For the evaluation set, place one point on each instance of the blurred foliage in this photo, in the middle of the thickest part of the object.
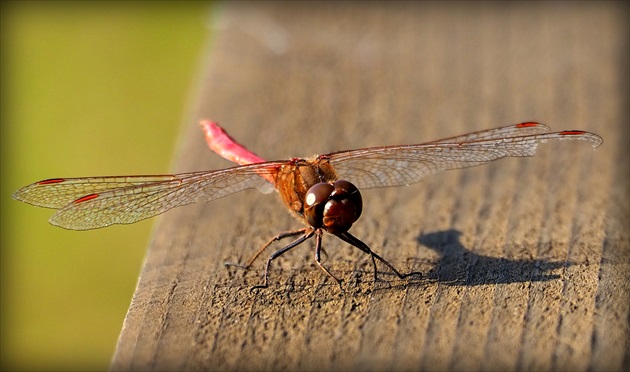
(88, 88)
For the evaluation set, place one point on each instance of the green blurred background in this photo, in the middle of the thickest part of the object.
(87, 89)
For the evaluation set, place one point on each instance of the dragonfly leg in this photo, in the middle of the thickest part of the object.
(308, 233)
(352, 240)
(318, 249)
(276, 238)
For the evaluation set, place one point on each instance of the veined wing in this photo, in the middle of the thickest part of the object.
(521, 129)
(407, 164)
(94, 202)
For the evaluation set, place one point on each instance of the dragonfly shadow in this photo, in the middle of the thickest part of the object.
(458, 265)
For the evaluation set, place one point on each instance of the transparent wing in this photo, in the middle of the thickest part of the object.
(404, 165)
(93, 202)
(521, 129)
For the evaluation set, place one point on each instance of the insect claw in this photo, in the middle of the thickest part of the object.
(258, 287)
(405, 276)
(231, 264)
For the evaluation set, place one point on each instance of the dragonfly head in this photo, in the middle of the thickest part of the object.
(333, 206)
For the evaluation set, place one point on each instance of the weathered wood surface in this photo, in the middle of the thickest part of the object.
(526, 260)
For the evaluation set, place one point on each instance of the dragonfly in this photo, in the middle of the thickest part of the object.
(322, 191)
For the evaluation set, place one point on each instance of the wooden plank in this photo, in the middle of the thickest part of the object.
(526, 260)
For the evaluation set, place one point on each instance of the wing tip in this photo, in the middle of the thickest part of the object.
(594, 139)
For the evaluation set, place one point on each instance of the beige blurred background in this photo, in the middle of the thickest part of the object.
(87, 89)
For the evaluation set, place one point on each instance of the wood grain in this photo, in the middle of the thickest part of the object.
(526, 261)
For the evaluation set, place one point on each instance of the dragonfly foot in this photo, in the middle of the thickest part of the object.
(258, 287)
(231, 264)
(413, 273)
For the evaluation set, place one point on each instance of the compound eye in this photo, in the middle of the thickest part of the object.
(343, 208)
(316, 197)
(347, 190)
